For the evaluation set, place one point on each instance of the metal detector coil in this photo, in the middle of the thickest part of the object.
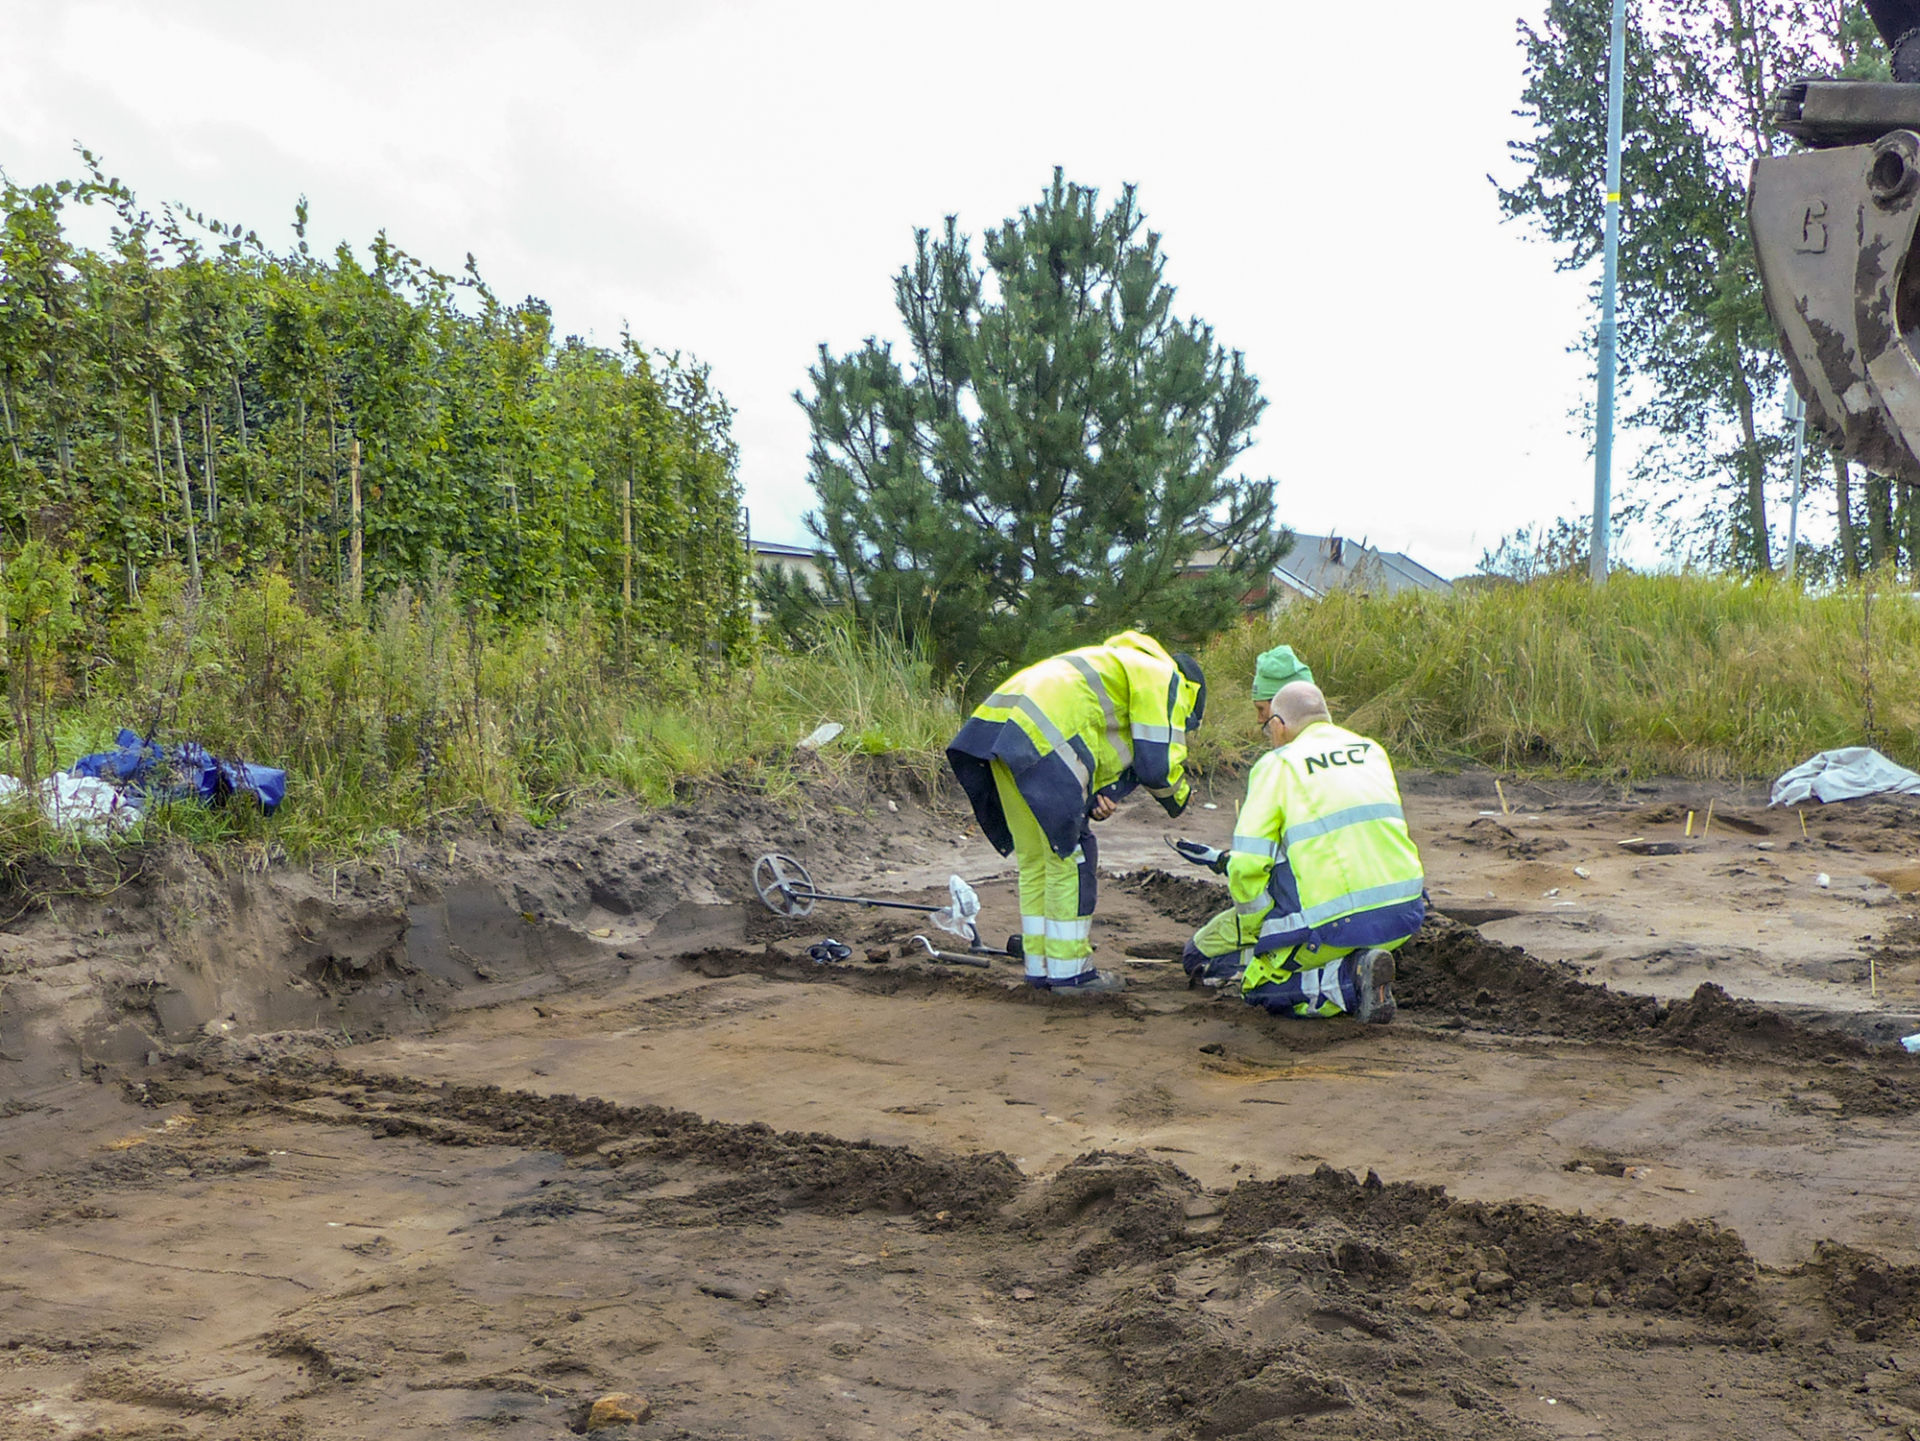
(784, 886)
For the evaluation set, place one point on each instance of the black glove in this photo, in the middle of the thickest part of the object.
(1211, 857)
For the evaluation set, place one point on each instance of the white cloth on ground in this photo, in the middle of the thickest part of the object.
(85, 805)
(1844, 775)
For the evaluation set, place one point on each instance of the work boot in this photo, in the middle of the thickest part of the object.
(1373, 979)
(1092, 982)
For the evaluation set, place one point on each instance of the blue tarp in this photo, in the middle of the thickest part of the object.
(181, 770)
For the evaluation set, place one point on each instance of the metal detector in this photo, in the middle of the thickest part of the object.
(786, 888)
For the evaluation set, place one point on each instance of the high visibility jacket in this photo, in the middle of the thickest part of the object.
(1321, 851)
(1102, 719)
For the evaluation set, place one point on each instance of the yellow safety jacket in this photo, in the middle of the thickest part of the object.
(1321, 854)
(1098, 720)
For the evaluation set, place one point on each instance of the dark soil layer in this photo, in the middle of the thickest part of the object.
(1181, 898)
(1450, 975)
(1469, 981)
(775, 1171)
(1312, 1298)
(1313, 1303)
(1355, 1303)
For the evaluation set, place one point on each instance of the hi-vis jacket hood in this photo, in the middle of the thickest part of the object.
(1099, 720)
(1321, 852)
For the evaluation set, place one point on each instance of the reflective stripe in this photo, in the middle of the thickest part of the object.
(1256, 846)
(1259, 905)
(1280, 925)
(1030, 708)
(1033, 925)
(1070, 930)
(1160, 790)
(1340, 820)
(1099, 688)
(1321, 985)
(1365, 900)
(1163, 734)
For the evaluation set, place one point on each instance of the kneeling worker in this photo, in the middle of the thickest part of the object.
(1058, 744)
(1325, 879)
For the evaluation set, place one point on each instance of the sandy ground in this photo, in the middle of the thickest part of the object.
(460, 1144)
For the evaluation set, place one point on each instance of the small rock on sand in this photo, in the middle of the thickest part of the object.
(619, 1409)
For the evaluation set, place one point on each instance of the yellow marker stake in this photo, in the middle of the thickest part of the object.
(1505, 809)
(1803, 825)
(1689, 825)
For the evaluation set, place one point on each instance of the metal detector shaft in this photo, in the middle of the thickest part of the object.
(951, 958)
(809, 895)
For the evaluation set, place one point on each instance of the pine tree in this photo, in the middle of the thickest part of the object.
(1057, 455)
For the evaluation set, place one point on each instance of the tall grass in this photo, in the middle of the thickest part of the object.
(426, 713)
(1678, 674)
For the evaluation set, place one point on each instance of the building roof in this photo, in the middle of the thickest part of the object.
(1318, 564)
(779, 551)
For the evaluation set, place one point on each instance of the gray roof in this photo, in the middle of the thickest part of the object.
(779, 550)
(1318, 564)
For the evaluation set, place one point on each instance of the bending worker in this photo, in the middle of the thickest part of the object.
(1326, 881)
(1057, 745)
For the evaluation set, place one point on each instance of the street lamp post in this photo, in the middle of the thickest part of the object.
(1609, 330)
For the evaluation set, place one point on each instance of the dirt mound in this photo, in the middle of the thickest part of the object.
(1491, 1254)
(1865, 1292)
(775, 1172)
(1114, 1208)
(1180, 898)
(1308, 1296)
(1489, 834)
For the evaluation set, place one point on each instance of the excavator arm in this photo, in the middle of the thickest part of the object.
(1834, 232)
(1834, 235)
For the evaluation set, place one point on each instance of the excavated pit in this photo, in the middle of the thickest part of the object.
(518, 1119)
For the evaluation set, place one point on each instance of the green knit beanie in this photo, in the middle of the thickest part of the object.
(1275, 668)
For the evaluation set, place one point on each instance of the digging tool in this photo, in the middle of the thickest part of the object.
(786, 888)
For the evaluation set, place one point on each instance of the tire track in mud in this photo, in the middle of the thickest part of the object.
(1374, 1309)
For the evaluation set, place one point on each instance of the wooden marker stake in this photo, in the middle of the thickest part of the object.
(1709, 824)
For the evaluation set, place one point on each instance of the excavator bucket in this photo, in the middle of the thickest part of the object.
(1834, 235)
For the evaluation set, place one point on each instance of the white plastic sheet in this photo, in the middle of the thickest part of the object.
(958, 917)
(85, 805)
(1844, 775)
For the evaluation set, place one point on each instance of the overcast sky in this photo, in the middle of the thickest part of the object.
(740, 179)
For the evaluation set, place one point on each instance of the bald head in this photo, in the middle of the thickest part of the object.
(1296, 706)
